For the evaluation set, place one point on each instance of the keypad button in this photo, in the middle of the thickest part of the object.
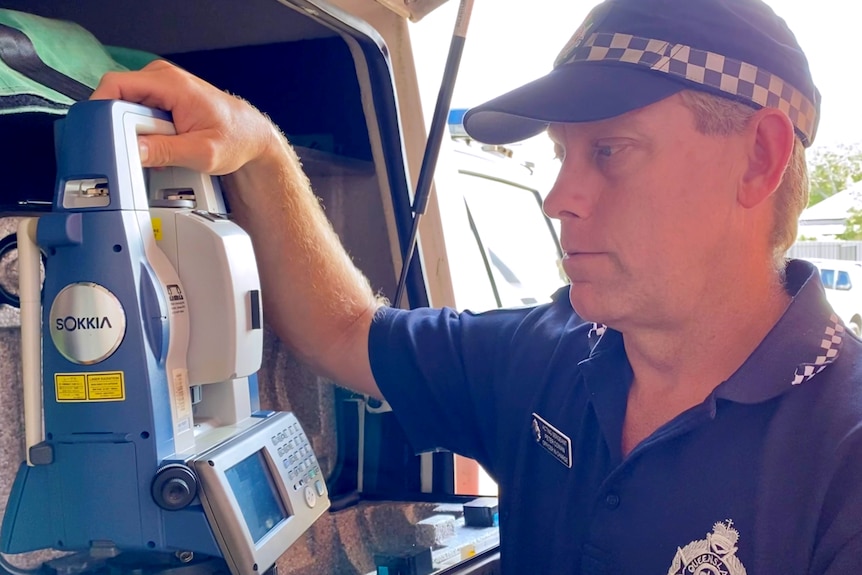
(310, 496)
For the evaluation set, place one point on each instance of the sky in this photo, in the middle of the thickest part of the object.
(510, 42)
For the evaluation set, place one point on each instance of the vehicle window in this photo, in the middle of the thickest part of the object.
(519, 243)
(827, 276)
(843, 282)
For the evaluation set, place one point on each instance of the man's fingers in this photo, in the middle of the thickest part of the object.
(138, 87)
(217, 133)
(192, 150)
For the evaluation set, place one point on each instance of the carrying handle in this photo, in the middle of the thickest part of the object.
(208, 196)
(99, 138)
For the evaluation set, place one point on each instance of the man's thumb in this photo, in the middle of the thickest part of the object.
(144, 149)
(157, 150)
(160, 151)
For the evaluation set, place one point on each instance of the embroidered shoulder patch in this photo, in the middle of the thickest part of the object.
(711, 556)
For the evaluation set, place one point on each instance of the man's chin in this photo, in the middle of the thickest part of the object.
(588, 309)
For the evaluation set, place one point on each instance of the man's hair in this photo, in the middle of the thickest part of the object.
(719, 116)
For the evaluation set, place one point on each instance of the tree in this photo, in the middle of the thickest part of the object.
(852, 227)
(831, 170)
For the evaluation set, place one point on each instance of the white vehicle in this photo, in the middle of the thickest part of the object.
(502, 250)
(842, 280)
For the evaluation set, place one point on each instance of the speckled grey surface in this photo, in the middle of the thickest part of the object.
(11, 397)
(9, 316)
(12, 429)
(345, 542)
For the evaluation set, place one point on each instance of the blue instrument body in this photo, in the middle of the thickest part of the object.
(107, 421)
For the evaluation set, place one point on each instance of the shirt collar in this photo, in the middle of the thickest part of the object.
(608, 376)
(806, 339)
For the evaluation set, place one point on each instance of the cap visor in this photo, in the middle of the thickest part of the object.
(581, 92)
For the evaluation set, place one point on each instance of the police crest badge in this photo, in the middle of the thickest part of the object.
(593, 19)
(715, 555)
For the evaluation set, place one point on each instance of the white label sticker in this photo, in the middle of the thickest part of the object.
(182, 399)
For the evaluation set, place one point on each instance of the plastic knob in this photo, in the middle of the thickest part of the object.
(174, 487)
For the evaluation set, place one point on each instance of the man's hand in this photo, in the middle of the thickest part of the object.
(217, 133)
(320, 305)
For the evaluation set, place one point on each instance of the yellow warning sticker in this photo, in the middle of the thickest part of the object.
(97, 386)
(71, 386)
(157, 228)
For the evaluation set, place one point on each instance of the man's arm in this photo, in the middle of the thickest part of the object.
(319, 304)
(314, 297)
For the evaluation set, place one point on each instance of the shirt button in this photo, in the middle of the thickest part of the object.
(612, 501)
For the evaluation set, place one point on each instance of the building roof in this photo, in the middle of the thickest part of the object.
(835, 208)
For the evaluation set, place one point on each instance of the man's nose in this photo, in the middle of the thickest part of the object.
(574, 194)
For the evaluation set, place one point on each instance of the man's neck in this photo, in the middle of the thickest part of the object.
(678, 368)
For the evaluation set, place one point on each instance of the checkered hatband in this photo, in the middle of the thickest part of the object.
(830, 348)
(736, 78)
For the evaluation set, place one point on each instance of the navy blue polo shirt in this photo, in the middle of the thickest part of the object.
(764, 477)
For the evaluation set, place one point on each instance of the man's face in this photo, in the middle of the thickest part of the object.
(649, 214)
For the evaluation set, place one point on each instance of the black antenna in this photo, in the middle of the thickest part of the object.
(435, 137)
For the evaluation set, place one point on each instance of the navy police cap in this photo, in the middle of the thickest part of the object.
(631, 53)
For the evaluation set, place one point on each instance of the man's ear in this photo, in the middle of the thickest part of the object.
(769, 139)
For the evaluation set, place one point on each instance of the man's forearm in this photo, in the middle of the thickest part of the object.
(318, 302)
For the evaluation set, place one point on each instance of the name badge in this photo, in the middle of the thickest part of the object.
(553, 440)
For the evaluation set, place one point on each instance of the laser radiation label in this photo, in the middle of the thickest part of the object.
(87, 323)
(95, 386)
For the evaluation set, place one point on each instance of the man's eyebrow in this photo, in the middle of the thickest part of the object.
(632, 123)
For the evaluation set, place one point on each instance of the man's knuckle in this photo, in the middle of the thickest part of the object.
(161, 153)
(109, 79)
(207, 154)
(159, 64)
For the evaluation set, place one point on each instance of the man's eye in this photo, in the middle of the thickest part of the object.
(604, 152)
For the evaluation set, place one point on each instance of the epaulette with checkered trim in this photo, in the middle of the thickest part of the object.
(830, 347)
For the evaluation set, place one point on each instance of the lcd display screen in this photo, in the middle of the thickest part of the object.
(252, 485)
